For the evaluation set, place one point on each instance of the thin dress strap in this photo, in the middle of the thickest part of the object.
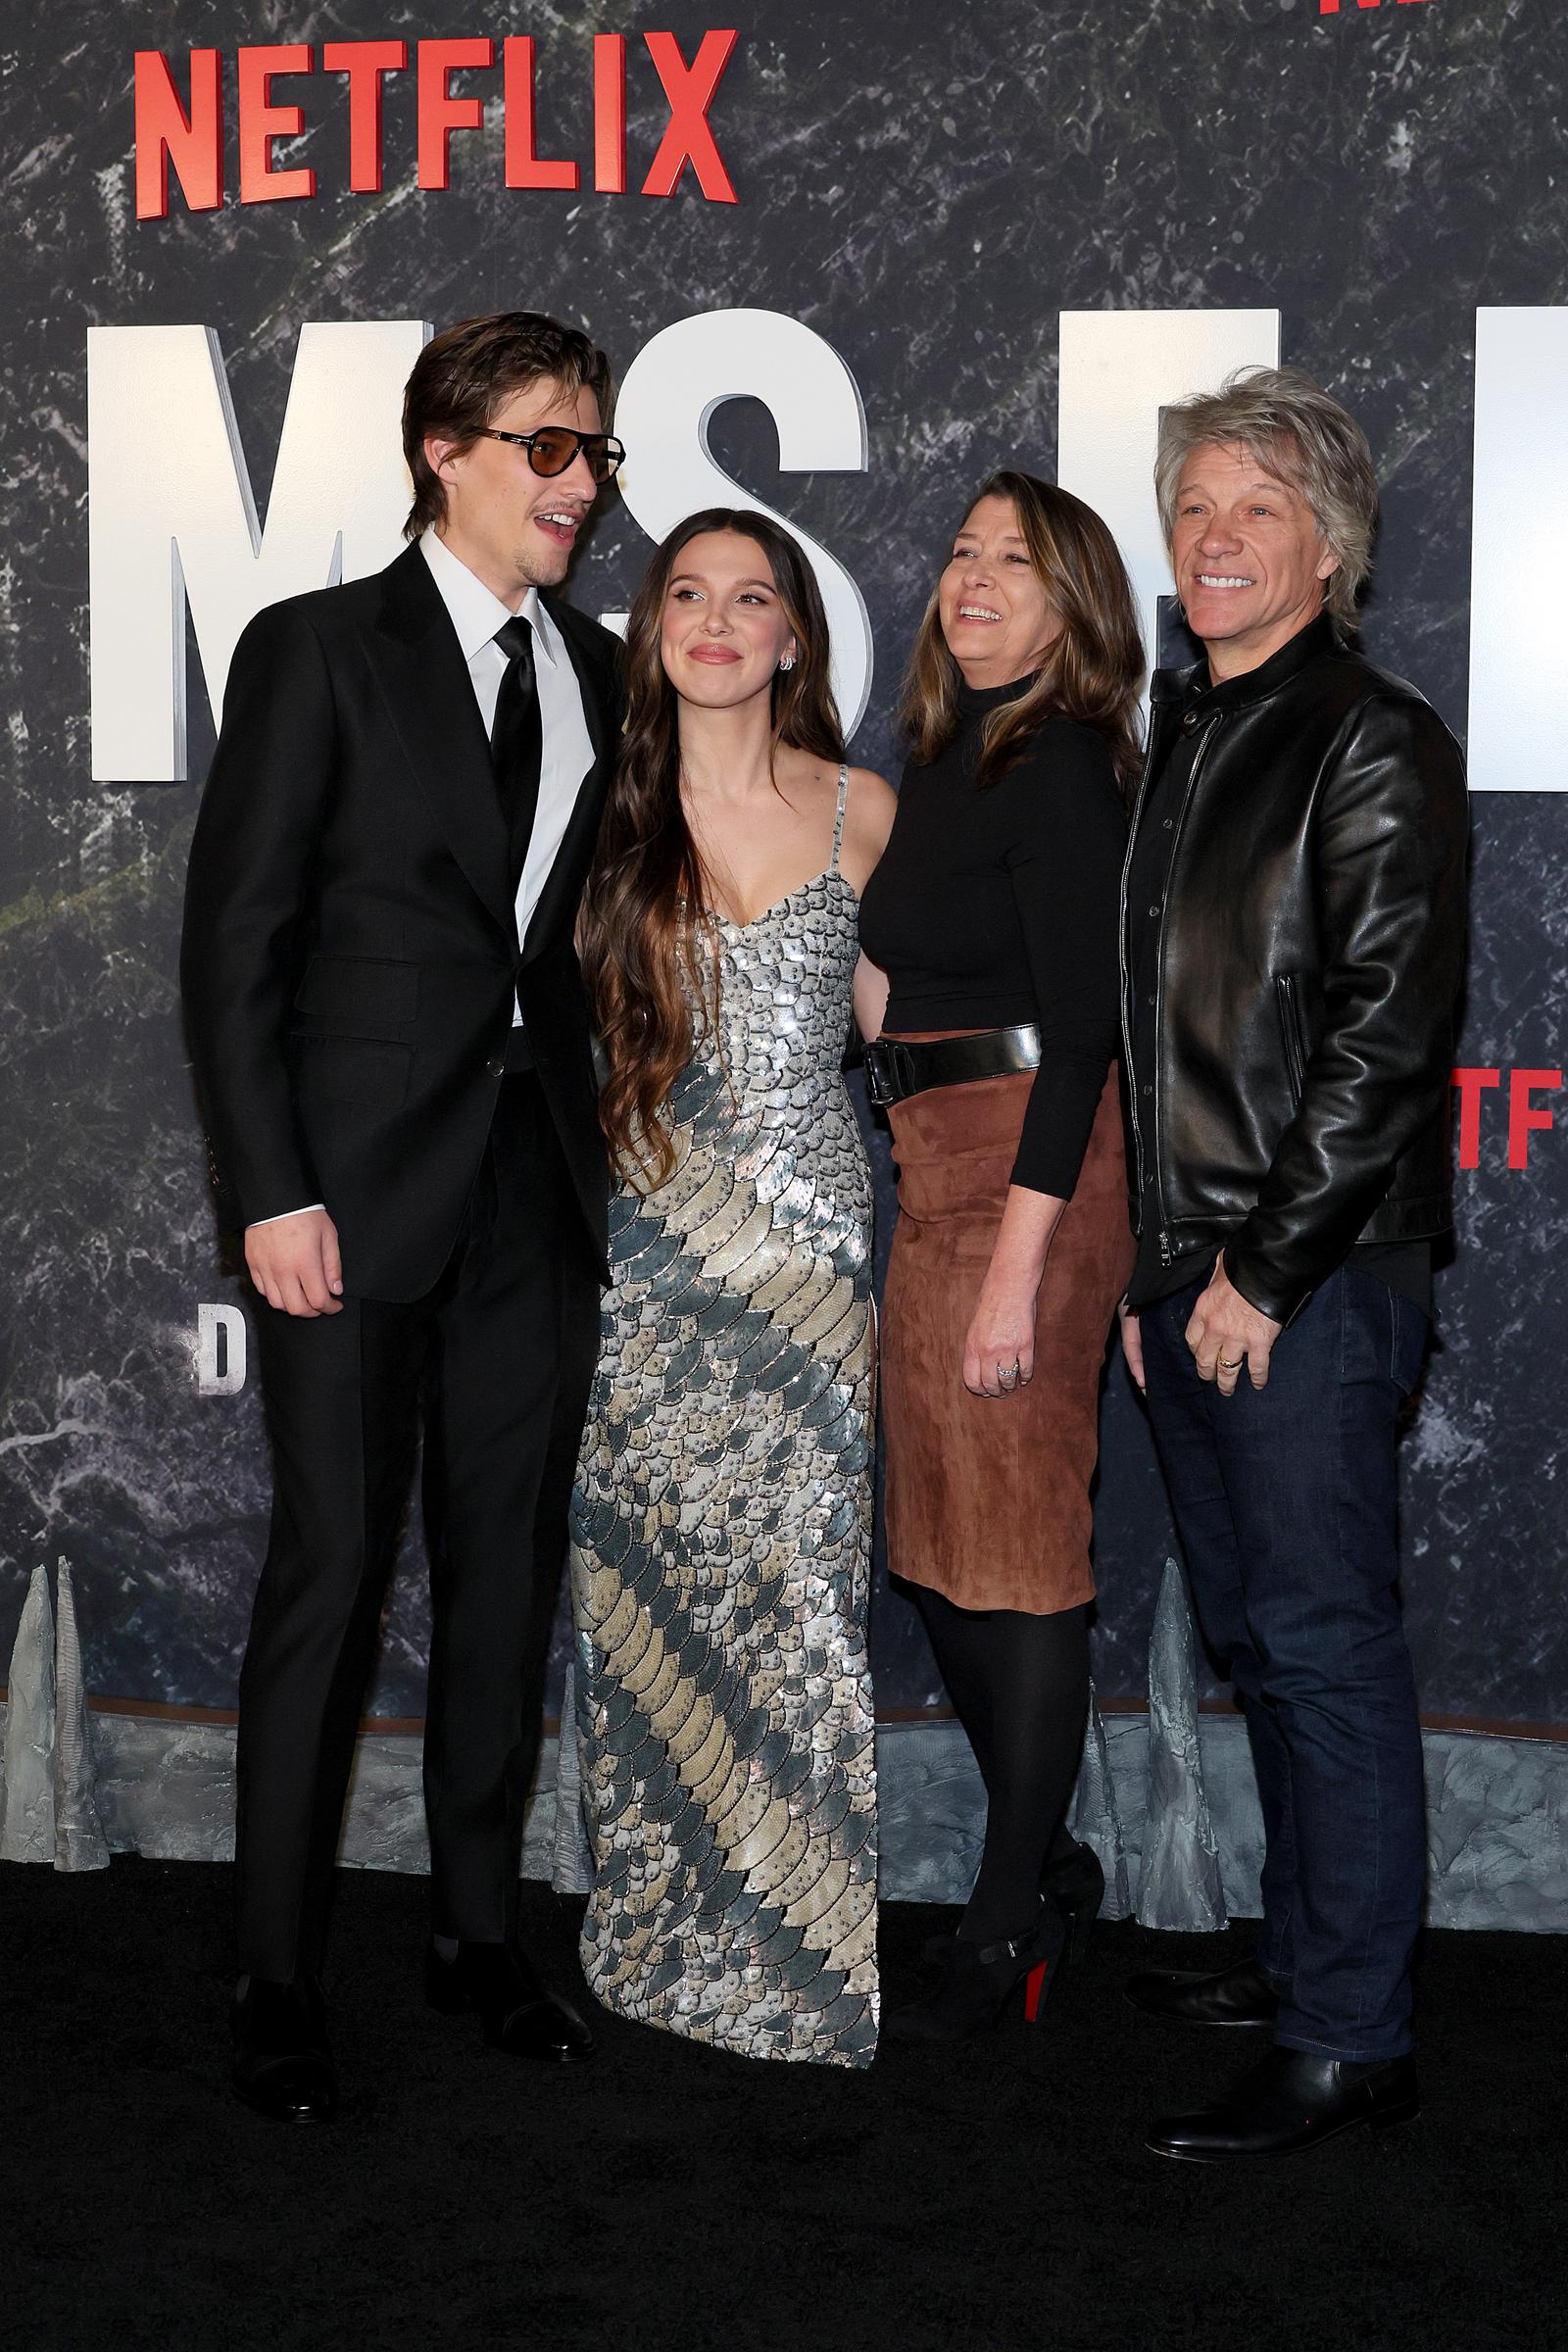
(838, 821)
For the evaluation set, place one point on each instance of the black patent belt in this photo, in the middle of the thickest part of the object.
(895, 1069)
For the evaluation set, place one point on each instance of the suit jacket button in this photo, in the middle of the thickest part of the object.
(496, 1069)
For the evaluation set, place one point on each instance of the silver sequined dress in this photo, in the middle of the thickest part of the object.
(722, 1531)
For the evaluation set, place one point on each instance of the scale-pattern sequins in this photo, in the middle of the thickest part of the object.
(722, 1531)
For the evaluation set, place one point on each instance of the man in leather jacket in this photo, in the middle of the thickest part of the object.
(1293, 949)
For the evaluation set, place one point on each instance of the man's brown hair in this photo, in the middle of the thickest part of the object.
(468, 373)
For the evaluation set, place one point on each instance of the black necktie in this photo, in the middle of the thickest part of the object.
(515, 742)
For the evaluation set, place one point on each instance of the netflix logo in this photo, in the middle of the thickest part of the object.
(1515, 1111)
(182, 131)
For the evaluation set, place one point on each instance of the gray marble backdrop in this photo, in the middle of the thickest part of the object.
(928, 187)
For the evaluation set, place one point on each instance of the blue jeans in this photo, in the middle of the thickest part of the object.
(1285, 1503)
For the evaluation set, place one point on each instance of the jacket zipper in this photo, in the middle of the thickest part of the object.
(1291, 1031)
(1168, 1251)
(1126, 980)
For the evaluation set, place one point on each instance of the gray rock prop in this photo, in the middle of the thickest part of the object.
(572, 1869)
(1180, 1885)
(79, 1841)
(1094, 1819)
(28, 1801)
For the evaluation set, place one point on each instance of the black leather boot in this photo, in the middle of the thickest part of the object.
(1239, 1995)
(1289, 2102)
(518, 2013)
(282, 2061)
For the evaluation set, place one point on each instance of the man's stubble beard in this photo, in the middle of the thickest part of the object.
(545, 571)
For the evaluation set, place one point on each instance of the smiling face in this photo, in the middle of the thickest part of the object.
(1249, 558)
(724, 630)
(512, 527)
(996, 616)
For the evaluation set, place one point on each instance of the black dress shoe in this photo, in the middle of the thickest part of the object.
(500, 1985)
(282, 2062)
(1289, 2102)
(1242, 1996)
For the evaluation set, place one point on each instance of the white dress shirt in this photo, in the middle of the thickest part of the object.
(566, 751)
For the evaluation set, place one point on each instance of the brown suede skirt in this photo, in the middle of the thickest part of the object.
(988, 1497)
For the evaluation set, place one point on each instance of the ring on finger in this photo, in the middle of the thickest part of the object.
(1229, 1364)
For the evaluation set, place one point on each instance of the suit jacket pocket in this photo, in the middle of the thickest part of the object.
(370, 1072)
(360, 996)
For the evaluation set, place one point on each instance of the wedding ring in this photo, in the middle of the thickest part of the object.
(1228, 1363)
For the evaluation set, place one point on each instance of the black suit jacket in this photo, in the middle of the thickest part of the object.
(350, 945)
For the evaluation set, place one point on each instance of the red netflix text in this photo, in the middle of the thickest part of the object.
(1524, 1117)
(187, 134)
(1330, 8)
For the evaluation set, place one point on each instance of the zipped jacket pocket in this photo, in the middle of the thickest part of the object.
(1289, 1012)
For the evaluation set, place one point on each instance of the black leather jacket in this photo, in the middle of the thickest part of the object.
(1309, 965)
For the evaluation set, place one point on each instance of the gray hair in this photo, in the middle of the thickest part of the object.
(1305, 440)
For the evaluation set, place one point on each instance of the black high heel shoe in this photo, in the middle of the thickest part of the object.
(976, 1981)
(1076, 1885)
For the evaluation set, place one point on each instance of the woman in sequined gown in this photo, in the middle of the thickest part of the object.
(723, 1520)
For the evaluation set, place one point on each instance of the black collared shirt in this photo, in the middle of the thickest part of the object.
(1406, 1267)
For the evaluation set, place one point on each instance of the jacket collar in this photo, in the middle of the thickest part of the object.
(418, 661)
(1184, 688)
(420, 666)
(582, 646)
(581, 643)
(474, 612)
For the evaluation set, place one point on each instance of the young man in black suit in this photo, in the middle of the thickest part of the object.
(391, 1044)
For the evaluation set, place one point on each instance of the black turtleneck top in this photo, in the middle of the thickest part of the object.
(996, 907)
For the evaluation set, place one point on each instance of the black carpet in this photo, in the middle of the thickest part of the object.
(991, 2198)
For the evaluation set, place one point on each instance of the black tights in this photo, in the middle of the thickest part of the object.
(1020, 1685)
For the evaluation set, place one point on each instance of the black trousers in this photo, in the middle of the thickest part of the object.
(500, 1353)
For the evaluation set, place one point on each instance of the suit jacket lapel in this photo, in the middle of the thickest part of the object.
(419, 665)
(593, 678)
(558, 898)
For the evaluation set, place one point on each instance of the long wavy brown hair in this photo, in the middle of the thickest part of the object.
(647, 919)
(1093, 670)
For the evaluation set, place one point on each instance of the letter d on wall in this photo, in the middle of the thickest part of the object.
(220, 1351)
(670, 391)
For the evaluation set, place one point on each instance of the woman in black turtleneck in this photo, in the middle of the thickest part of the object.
(994, 914)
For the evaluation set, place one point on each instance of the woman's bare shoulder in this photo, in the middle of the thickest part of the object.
(869, 809)
(872, 805)
(806, 777)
